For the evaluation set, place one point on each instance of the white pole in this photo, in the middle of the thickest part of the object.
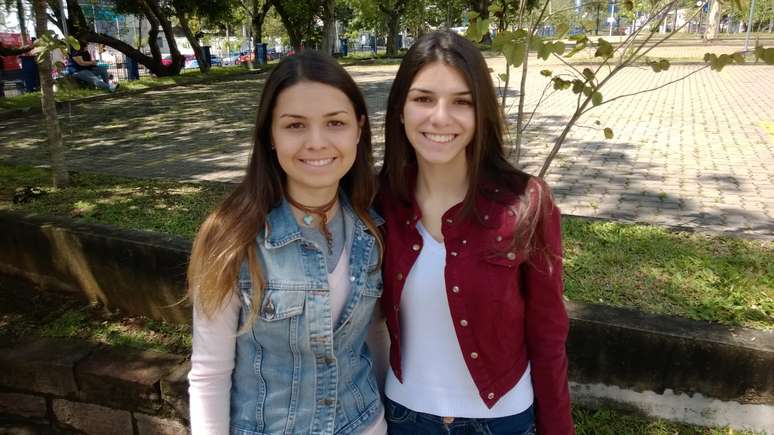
(612, 18)
(749, 26)
(64, 18)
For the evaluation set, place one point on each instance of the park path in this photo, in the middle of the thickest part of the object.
(697, 153)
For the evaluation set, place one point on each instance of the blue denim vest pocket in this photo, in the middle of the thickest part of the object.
(281, 304)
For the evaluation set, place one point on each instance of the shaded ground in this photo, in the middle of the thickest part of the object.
(694, 154)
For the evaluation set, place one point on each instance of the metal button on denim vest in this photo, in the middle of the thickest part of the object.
(297, 370)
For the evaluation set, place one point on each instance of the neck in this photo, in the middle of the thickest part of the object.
(442, 184)
(313, 200)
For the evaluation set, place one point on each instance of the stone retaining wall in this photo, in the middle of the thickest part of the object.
(78, 387)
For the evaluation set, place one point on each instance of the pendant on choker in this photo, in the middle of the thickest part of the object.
(308, 220)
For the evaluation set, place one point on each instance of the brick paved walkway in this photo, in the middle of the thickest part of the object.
(697, 153)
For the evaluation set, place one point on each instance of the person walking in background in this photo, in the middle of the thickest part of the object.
(82, 67)
(473, 264)
(285, 274)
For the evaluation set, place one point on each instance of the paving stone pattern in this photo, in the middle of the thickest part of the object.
(697, 153)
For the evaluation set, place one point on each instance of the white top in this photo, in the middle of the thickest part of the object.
(212, 360)
(436, 379)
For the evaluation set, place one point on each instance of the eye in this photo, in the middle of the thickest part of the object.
(295, 125)
(422, 99)
(336, 123)
(464, 102)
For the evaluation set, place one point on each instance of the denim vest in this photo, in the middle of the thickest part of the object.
(296, 372)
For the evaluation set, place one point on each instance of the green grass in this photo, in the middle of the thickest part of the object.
(25, 315)
(68, 93)
(604, 421)
(720, 279)
(163, 206)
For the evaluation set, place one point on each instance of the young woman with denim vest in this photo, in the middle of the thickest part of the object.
(285, 273)
(473, 262)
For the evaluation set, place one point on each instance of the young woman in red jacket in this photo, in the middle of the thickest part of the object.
(473, 262)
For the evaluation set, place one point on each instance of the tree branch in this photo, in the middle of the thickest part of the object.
(14, 51)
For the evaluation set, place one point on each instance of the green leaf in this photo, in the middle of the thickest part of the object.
(503, 77)
(577, 86)
(546, 73)
(483, 27)
(655, 66)
(560, 84)
(73, 41)
(663, 64)
(535, 43)
(545, 50)
(514, 54)
(628, 5)
(604, 49)
(596, 98)
(587, 91)
(559, 47)
(495, 9)
(738, 58)
(608, 133)
(588, 74)
(766, 54)
(561, 30)
(473, 15)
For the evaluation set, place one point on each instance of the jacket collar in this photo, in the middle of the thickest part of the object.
(281, 227)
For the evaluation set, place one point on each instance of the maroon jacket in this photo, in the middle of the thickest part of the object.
(507, 309)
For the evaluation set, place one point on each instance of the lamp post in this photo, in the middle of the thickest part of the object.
(749, 26)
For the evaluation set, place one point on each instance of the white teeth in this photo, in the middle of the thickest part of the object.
(441, 138)
(321, 162)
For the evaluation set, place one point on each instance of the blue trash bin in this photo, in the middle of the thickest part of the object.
(30, 73)
(132, 69)
(344, 47)
(262, 53)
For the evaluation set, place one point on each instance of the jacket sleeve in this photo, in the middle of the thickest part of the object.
(547, 325)
(212, 361)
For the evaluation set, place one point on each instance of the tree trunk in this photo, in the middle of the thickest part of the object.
(713, 21)
(295, 34)
(596, 27)
(22, 21)
(204, 63)
(328, 44)
(55, 147)
(393, 28)
(256, 22)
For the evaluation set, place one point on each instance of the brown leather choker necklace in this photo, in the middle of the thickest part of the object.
(322, 213)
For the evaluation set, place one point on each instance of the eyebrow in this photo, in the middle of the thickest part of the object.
(327, 115)
(426, 91)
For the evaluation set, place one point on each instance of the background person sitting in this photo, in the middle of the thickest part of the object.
(83, 68)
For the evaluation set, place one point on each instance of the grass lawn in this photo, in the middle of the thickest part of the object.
(720, 279)
(67, 93)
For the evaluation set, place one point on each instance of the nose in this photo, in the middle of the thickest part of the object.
(317, 139)
(441, 113)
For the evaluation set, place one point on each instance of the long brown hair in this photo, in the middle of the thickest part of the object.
(227, 237)
(487, 163)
